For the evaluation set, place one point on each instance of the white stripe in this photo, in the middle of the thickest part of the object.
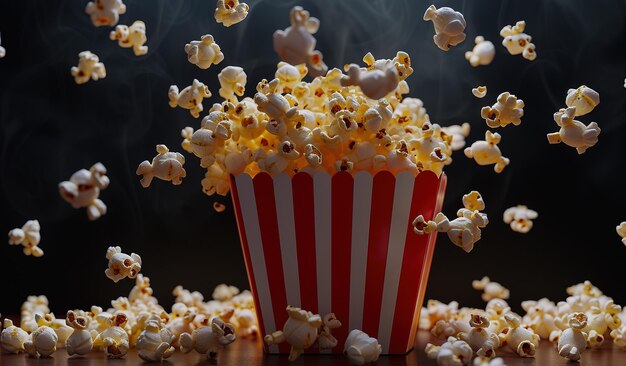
(321, 194)
(287, 234)
(362, 200)
(247, 202)
(395, 252)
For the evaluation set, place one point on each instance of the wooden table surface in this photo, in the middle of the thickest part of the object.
(248, 353)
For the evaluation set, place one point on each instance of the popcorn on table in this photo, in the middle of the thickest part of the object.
(479, 91)
(189, 98)
(486, 361)
(105, 12)
(208, 339)
(155, 342)
(232, 83)
(573, 341)
(122, 265)
(114, 339)
(487, 152)
(80, 341)
(229, 12)
(449, 26)
(482, 340)
(89, 67)
(574, 133)
(204, 53)
(379, 77)
(520, 340)
(167, 166)
(520, 218)
(83, 190)
(13, 338)
(453, 352)
(491, 290)
(516, 41)
(43, 340)
(583, 98)
(507, 110)
(483, 52)
(29, 237)
(361, 348)
(621, 231)
(131, 37)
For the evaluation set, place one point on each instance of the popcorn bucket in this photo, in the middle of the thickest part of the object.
(341, 244)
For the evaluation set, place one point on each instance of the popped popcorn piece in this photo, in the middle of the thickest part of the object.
(486, 361)
(621, 231)
(189, 98)
(223, 292)
(540, 317)
(13, 338)
(479, 91)
(449, 26)
(246, 323)
(600, 319)
(60, 327)
(573, 341)
(296, 44)
(167, 166)
(516, 41)
(89, 67)
(105, 12)
(43, 340)
(619, 337)
(491, 290)
(122, 265)
(520, 218)
(574, 133)
(204, 53)
(229, 12)
(508, 109)
(155, 342)
(450, 328)
(584, 288)
(32, 306)
(83, 190)
(133, 36)
(80, 341)
(522, 341)
(232, 83)
(379, 77)
(302, 329)
(29, 237)
(3, 52)
(218, 207)
(487, 152)
(458, 134)
(187, 297)
(482, 341)
(482, 53)
(208, 339)
(142, 291)
(453, 352)
(583, 98)
(361, 348)
(114, 339)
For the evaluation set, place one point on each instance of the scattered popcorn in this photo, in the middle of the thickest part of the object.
(246, 323)
(105, 12)
(114, 339)
(452, 353)
(190, 98)
(29, 237)
(187, 297)
(583, 98)
(155, 342)
(203, 53)
(483, 52)
(361, 348)
(167, 166)
(83, 190)
(487, 152)
(520, 218)
(621, 231)
(458, 133)
(516, 41)
(450, 328)
(12, 338)
(232, 83)
(482, 341)
(43, 340)
(3, 52)
(541, 317)
(449, 26)
(296, 44)
(122, 265)
(379, 77)
(491, 290)
(80, 341)
(208, 339)
(572, 342)
(574, 133)
(522, 341)
(486, 361)
(229, 12)
(508, 109)
(89, 67)
(479, 91)
(61, 329)
(619, 337)
(32, 306)
(224, 292)
(133, 36)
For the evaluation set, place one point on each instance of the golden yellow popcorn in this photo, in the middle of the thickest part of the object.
(479, 91)
(229, 12)
(453, 352)
(487, 152)
(491, 290)
(105, 12)
(583, 98)
(29, 237)
(508, 109)
(133, 36)
(621, 231)
(516, 41)
(232, 83)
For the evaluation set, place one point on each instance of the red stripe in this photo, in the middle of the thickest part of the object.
(380, 225)
(341, 233)
(266, 210)
(246, 256)
(425, 192)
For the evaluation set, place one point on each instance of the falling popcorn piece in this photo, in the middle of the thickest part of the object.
(574, 133)
(89, 67)
(204, 53)
(133, 36)
(83, 190)
(483, 52)
(296, 44)
(520, 218)
(453, 352)
(29, 237)
(379, 77)
(229, 12)
(189, 98)
(208, 339)
(487, 152)
(516, 41)
(507, 110)
(621, 231)
(80, 341)
(449, 26)
(105, 12)
(232, 83)
(3, 52)
(583, 98)
(491, 290)
(572, 341)
(167, 166)
(122, 265)
(43, 340)
(218, 207)
(479, 91)
(361, 348)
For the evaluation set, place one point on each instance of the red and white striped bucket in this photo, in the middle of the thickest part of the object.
(341, 244)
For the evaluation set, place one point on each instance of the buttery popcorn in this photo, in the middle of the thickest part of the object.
(507, 110)
(105, 12)
(491, 290)
(131, 37)
(449, 26)
(516, 41)
(520, 218)
(229, 12)
(29, 237)
(232, 83)
(89, 67)
(453, 352)
(621, 231)
(583, 98)
(479, 91)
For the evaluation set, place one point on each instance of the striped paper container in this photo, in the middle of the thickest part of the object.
(343, 244)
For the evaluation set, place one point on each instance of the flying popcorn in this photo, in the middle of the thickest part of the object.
(487, 152)
(229, 12)
(167, 166)
(507, 110)
(208, 339)
(105, 12)
(29, 237)
(516, 41)
(189, 98)
(491, 290)
(482, 53)
(583, 98)
(155, 342)
(449, 26)
(13, 338)
(479, 91)
(43, 340)
(572, 341)
(89, 67)
(232, 83)
(458, 134)
(122, 265)
(482, 340)
(204, 53)
(133, 36)
(379, 77)
(80, 341)
(574, 133)
(3, 52)
(361, 348)
(83, 190)
(296, 44)
(621, 231)
(520, 218)
(453, 352)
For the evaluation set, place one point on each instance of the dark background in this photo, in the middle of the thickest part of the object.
(50, 127)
